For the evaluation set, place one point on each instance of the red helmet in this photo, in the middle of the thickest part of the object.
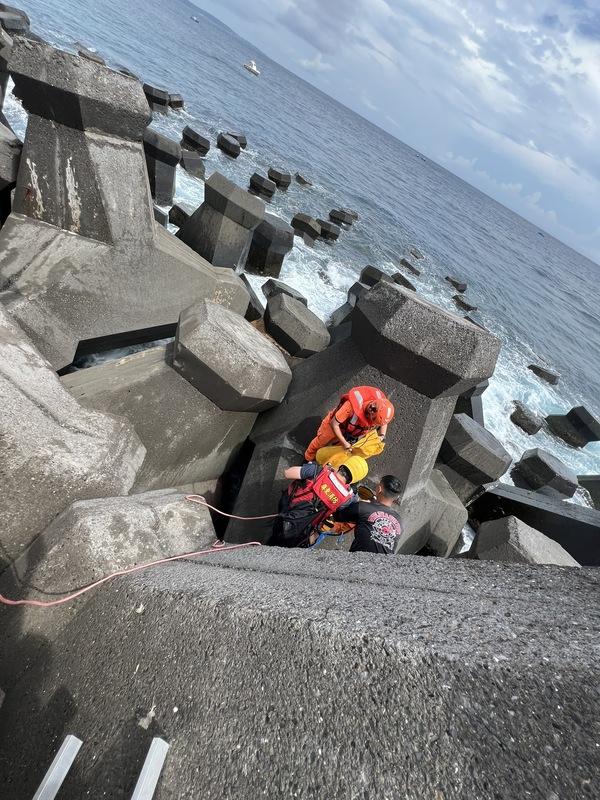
(385, 412)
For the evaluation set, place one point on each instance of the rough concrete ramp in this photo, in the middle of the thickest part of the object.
(284, 674)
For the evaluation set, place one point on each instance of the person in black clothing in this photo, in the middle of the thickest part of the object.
(378, 526)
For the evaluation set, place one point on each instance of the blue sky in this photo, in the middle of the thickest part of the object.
(504, 94)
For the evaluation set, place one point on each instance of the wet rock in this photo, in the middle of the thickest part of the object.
(179, 214)
(526, 419)
(460, 286)
(281, 179)
(356, 291)
(108, 269)
(52, 450)
(576, 528)
(162, 156)
(470, 403)
(463, 304)
(294, 327)
(401, 280)
(158, 99)
(471, 457)
(415, 252)
(329, 231)
(272, 240)
(544, 473)
(341, 217)
(307, 228)
(85, 53)
(404, 262)
(228, 144)
(221, 229)
(302, 180)
(592, 484)
(228, 360)
(193, 163)
(160, 216)
(255, 310)
(187, 437)
(192, 140)
(510, 540)
(240, 138)
(371, 275)
(544, 373)
(261, 186)
(273, 287)
(353, 214)
(176, 101)
(578, 427)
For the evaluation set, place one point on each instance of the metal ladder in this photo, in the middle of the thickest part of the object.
(63, 761)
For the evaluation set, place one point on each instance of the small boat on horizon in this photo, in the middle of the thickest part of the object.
(251, 67)
(195, 19)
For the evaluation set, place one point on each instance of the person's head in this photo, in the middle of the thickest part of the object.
(378, 412)
(354, 469)
(388, 489)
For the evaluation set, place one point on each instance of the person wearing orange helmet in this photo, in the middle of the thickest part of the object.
(362, 409)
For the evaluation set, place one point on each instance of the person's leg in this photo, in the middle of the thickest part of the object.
(324, 436)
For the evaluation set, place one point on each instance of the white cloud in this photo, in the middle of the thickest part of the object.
(316, 64)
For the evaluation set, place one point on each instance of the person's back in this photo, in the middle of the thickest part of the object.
(377, 523)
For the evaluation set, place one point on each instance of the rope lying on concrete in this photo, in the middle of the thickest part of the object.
(217, 547)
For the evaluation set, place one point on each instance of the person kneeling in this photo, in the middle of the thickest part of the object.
(314, 495)
(378, 527)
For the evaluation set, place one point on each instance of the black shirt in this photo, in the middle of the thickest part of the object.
(377, 529)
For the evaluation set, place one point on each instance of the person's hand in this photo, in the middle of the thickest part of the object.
(347, 446)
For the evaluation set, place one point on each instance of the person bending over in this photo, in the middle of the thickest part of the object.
(377, 523)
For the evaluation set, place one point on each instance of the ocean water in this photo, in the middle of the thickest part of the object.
(538, 295)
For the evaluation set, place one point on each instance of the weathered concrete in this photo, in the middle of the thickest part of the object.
(463, 303)
(471, 457)
(306, 228)
(221, 229)
(592, 484)
(192, 140)
(120, 271)
(544, 373)
(93, 56)
(341, 315)
(355, 292)
(52, 450)
(460, 286)
(281, 179)
(470, 402)
(228, 360)
(272, 287)
(329, 231)
(574, 527)
(404, 262)
(402, 280)
(272, 240)
(255, 308)
(371, 275)
(158, 99)
(544, 473)
(228, 144)
(294, 326)
(339, 216)
(526, 419)
(510, 540)
(261, 186)
(187, 437)
(176, 101)
(578, 427)
(180, 213)
(162, 157)
(302, 180)
(477, 686)
(14, 20)
(193, 164)
(10, 158)
(160, 216)
(239, 137)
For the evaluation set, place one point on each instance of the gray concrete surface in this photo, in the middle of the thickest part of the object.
(510, 540)
(294, 326)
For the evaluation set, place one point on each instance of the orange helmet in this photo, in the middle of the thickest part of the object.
(385, 412)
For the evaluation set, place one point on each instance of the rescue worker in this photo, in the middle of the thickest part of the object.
(314, 494)
(362, 409)
(377, 523)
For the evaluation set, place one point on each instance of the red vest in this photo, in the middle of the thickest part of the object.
(326, 488)
(358, 424)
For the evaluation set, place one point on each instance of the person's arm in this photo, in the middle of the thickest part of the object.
(349, 512)
(335, 427)
(383, 431)
(293, 473)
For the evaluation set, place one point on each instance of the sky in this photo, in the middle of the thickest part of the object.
(503, 93)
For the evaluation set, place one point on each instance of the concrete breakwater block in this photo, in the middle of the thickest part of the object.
(239, 137)
(526, 419)
(84, 52)
(180, 213)
(355, 292)
(592, 484)
(228, 144)
(192, 140)
(463, 303)
(255, 310)
(187, 437)
(272, 287)
(306, 227)
(471, 456)
(294, 326)
(107, 268)
(261, 186)
(404, 262)
(576, 528)
(162, 157)
(193, 164)
(544, 473)
(431, 679)
(160, 216)
(176, 101)
(158, 99)
(371, 275)
(460, 286)
(544, 373)
(14, 20)
(221, 229)
(52, 449)
(339, 216)
(510, 540)
(470, 403)
(10, 158)
(272, 240)
(329, 231)
(280, 178)
(578, 427)
(228, 360)
(302, 180)
(401, 280)
(415, 252)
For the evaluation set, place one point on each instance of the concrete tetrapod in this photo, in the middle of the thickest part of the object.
(228, 360)
(544, 473)
(99, 264)
(470, 402)
(187, 437)
(162, 157)
(306, 227)
(158, 99)
(272, 240)
(489, 696)
(294, 326)
(272, 287)
(508, 539)
(220, 230)
(193, 164)
(422, 358)
(280, 178)
(192, 140)
(52, 450)
(228, 144)
(578, 427)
